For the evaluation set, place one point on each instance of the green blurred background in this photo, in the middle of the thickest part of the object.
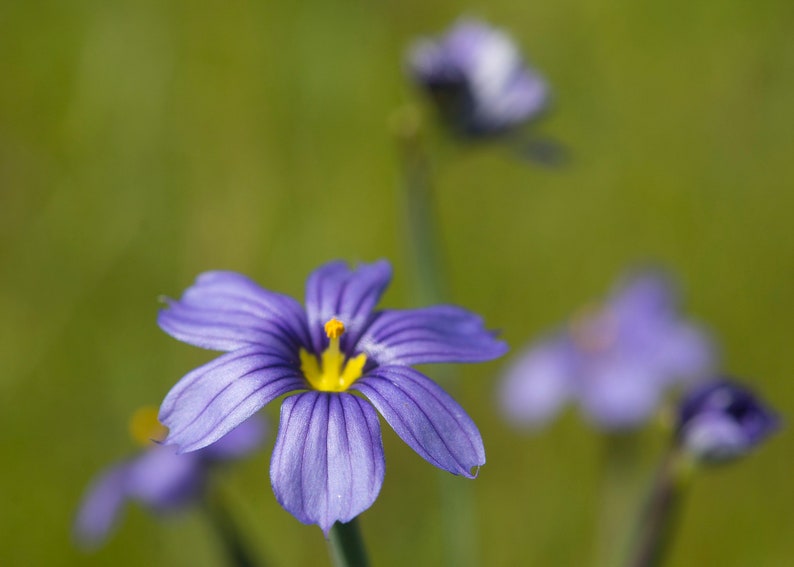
(144, 142)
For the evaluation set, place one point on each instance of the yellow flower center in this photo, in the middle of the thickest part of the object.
(144, 427)
(332, 372)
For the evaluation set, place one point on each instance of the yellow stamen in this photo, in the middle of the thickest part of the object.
(144, 427)
(332, 373)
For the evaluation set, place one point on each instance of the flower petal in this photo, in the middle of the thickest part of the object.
(620, 394)
(239, 442)
(226, 311)
(328, 464)
(215, 398)
(101, 506)
(645, 297)
(334, 290)
(442, 333)
(713, 437)
(721, 420)
(686, 353)
(538, 382)
(164, 480)
(425, 417)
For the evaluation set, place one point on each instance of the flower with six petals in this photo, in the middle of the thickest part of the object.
(327, 464)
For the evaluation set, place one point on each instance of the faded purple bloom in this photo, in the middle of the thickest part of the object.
(722, 420)
(160, 479)
(615, 361)
(328, 463)
(478, 80)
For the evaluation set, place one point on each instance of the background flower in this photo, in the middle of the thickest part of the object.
(159, 479)
(615, 360)
(722, 420)
(477, 79)
(328, 464)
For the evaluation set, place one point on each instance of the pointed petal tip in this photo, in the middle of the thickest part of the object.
(426, 418)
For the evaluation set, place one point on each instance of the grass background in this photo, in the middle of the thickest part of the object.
(144, 142)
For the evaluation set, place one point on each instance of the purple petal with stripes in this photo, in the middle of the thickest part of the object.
(334, 290)
(328, 464)
(434, 334)
(425, 417)
(226, 311)
(215, 398)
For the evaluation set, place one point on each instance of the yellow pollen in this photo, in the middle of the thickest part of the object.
(144, 427)
(332, 372)
(334, 328)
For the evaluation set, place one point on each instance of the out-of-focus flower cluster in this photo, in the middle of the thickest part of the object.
(615, 360)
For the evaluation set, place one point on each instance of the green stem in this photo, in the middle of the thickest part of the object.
(459, 525)
(619, 491)
(420, 209)
(658, 520)
(346, 545)
(237, 552)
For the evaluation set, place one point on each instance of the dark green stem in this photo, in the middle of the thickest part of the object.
(237, 553)
(346, 545)
(657, 523)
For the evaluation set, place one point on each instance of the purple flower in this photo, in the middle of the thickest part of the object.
(722, 420)
(327, 464)
(158, 477)
(616, 361)
(478, 80)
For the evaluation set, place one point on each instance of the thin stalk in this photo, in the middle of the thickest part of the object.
(459, 526)
(346, 545)
(619, 492)
(657, 524)
(237, 553)
(420, 209)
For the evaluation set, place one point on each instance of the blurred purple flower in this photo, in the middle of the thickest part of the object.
(328, 463)
(722, 420)
(158, 478)
(615, 361)
(478, 80)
